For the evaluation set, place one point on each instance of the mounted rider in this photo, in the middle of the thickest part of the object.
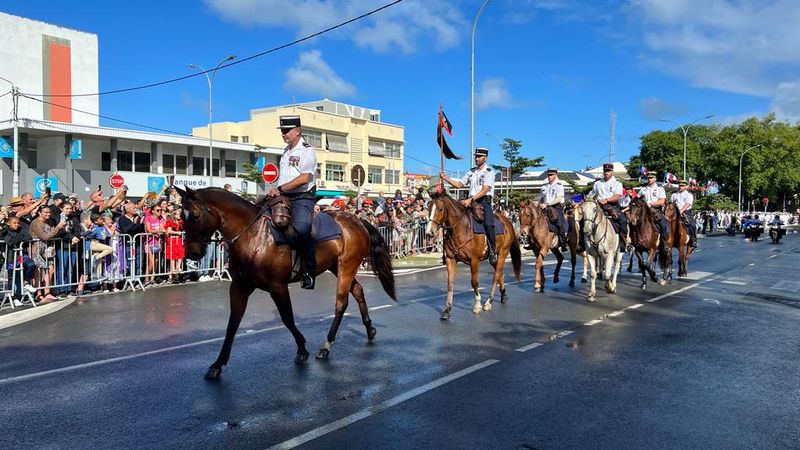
(683, 199)
(480, 180)
(551, 199)
(656, 199)
(608, 192)
(297, 181)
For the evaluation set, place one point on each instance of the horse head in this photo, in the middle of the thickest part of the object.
(200, 223)
(638, 211)
(526, 217)
(438, 210)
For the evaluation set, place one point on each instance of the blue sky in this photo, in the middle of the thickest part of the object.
(548, 72)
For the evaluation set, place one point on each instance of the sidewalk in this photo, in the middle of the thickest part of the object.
(21, 314)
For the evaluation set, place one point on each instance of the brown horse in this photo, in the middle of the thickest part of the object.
(462, 244)
(574, 215)
(644, 238)
(680, 240)
(535, 229)
(256, 261)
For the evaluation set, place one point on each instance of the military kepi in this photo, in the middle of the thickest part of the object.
(682, 183)
(552, 170)
(289, 122)
(481, 151)
(608, 167)
(651, 175)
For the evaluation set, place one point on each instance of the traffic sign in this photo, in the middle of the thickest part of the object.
(357, 175)
(116, 181)
(269, 173)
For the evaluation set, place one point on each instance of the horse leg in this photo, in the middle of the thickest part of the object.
(344, 285)
(474, 270)
(593, 273)
(651, 264)
(584, 275)
(630, 261)
(358, 293)
(239, 293)
(559, 261)
(503, 295)
(615, 268)
(572, 260)
(682, 261)
(280, 295)
(451, 277)
(608, 264)
(539, 285)
(642, 269)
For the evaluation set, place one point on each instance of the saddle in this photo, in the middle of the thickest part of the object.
(477, 227)
(278, 211)
(477, 213)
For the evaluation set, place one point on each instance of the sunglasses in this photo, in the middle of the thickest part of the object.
(157, 210)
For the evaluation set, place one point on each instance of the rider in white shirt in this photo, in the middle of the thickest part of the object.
(551, 199)
(683, 199)
(656, 199)
(608, 192)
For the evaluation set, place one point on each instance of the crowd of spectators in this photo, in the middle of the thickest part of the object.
(59, 245)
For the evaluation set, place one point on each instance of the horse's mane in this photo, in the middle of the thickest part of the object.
(645, 209)
(443, 195)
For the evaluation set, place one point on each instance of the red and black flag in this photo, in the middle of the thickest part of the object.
(444, 124)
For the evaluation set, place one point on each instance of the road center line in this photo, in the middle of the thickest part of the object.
(380, 407)
(375, 308)
(616, 313)
(529, 347)
(675, 292)
(592, 322)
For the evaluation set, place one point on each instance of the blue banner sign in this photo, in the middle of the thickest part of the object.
(155, 184)
(40, 185)
(75, 149)
(6, 147)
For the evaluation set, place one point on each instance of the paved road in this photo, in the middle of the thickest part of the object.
(710, 361)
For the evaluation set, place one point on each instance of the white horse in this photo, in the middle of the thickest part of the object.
(602, 243)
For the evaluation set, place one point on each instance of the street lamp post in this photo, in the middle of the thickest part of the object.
(741, 158)
(14, 110)
(472, 85)
(210, 79)
(685, 129)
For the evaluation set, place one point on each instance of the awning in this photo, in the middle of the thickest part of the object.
(328, 192)
(337, 143)
(376, 148)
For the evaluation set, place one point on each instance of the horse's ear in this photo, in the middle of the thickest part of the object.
(180, 191)
(189, 194)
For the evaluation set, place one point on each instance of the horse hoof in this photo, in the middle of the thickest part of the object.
(662, 282)
(571, 283)
(487, 306)
(301, 357)
(213, 374)
(590, 299)
(371, 332)
(323, 353)
(445, 315)
(630, 269)
(644, 287)
(584, 280)
(538, 290)
(476, 310)
(555, 280)
(503, 298)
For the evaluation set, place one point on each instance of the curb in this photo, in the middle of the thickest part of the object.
(26, 315)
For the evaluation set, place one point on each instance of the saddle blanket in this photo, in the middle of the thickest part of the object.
(323, 228)
(477, 227)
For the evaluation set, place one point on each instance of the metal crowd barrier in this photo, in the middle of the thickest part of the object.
(409, 241)
(120, 262)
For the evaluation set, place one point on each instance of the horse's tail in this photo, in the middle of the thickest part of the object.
(516, 258)
(381, 259)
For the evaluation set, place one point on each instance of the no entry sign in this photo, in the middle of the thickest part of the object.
(269, 173)
(116, 181)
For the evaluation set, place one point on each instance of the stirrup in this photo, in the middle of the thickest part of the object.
(307, 281)
(492, 257)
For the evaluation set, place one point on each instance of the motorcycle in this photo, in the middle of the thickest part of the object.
(753, 229)
(776, 233)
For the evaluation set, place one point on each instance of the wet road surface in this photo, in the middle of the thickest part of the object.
(709, 361)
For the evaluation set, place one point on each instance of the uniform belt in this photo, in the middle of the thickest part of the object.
(309, 193)
(488, 198)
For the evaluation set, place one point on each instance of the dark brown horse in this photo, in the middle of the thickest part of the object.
(644, 238)
(257, 262)
(535, 228)
(462, 244)
(680, 240)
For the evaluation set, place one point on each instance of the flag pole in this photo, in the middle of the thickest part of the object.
(441, 144)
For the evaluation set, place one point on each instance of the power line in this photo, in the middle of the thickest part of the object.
(257, 55)
(421, 161)
(106, 117)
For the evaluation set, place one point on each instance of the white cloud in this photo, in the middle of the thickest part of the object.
(407, 26)
(493, 93)
(747, 47)
(312, 75)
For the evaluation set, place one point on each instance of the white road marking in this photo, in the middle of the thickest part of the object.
(127, 357)
(770, 257)
(562, 334)
(738, 283)
(752, 264)
(636, 306)
(670, 294)
(380, 407)
(697, 275)
(616, 313)
(593, 322)
(711, 300)
(375, 308)
(347, 314)
(529, 347)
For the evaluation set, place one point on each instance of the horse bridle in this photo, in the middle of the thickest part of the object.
(595, 223)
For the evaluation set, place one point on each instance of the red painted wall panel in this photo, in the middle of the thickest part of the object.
(60, 82)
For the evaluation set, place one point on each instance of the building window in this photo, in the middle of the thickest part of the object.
(245, 139)
(337, 143)
(375, 117)
(313, 137)
(168, 164)
(141, 162)
(234, 138)
(320, 108)
(376, 148)
(180, 164)
(125, 161)
(105, 161)
(375, 175)
(215, 165)
(334, 172)
(393, 150)
(198, 165)
(230, 167)
(392, 176)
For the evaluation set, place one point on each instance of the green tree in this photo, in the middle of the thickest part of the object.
(252, 174)
(516, 163)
